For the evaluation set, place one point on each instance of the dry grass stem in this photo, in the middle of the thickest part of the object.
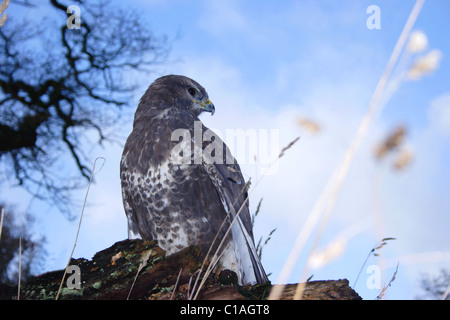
(142, 265)
(79, 224)
(362, 131)
(288, 147)
(447, 291)
(300, 242)
(215, 259)
(383, 291)
(1, 222)
(20, 268)
(191, 291)
(378, 246)
(373, 109)
(337, 246)
(176, 284)
(330, 253)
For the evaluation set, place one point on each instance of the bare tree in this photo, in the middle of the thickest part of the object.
(435, 286)
(61, 86)
(32, 251)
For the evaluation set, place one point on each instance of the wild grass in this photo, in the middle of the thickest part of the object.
(447, 291)
(20, 269)
(378, 246)
(319, 216)
(79, 223)
(1, 222)
(383, 291)
(141, 266)
(329, 195)
(216, 257)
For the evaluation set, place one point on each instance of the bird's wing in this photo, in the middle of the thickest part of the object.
(232, 189)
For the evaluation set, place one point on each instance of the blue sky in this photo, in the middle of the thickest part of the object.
(264, 65)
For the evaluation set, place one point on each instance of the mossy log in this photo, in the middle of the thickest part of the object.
(139, 270)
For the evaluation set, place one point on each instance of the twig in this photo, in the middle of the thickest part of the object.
(79, 224)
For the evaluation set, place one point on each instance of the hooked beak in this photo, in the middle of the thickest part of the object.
(207, 106)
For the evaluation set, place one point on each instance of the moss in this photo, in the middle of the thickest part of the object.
(97, 285)
(71, 292)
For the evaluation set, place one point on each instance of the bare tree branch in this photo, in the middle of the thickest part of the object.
(51, 98)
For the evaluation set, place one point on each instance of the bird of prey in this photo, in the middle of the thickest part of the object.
(180, 184)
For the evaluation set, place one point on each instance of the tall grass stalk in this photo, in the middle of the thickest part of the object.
(374, 109)
(20, 268)
(79, 223)
(1, 222)
(141, 266)
(384, 290)
(215, 259)
(447, 291)
(176, 285)
(378, 246)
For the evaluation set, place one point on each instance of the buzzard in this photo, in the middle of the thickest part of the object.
(180, 184)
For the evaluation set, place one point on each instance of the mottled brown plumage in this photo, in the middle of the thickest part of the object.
(180, 181)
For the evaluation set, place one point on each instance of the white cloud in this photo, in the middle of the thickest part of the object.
(222, 17)
(439, 114)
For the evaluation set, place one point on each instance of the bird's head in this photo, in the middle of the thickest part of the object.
(180, 92)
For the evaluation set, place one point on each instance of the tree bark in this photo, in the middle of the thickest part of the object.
(139, 270)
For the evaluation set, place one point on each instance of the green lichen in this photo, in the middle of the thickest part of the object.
(97, 285)
(71, 292)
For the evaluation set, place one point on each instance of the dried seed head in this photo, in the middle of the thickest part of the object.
(288, 147)
(417, 42)
(425, 64)
(309, 125)
(393, 141)
(330, 253)
(404, 157)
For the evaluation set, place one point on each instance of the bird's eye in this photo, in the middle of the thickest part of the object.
(192, 91)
